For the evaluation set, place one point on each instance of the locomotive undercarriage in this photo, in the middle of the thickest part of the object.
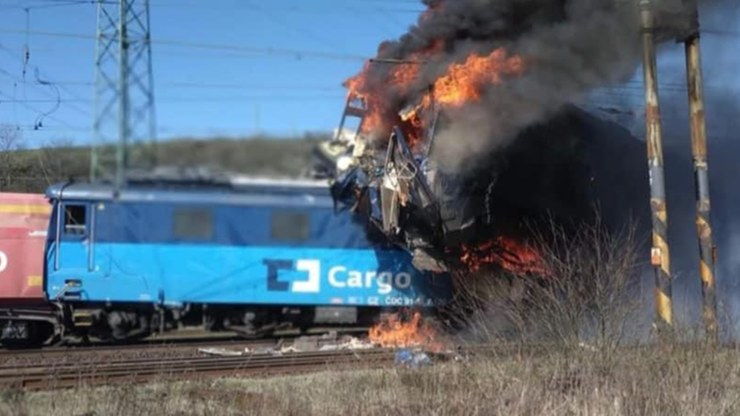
(129, 322)
(28, 327)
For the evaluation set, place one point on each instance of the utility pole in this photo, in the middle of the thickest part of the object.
(701, 173)
(124, 125)
(660, 253)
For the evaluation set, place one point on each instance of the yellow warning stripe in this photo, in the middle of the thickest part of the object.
(707, 277)
(664, 307)
(24, 209)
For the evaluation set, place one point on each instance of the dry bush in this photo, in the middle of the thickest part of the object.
(10, 143)
(590, 293)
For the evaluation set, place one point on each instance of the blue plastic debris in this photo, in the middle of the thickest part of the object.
(412, 359)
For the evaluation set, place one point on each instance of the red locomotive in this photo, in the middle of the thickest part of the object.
(25, 316)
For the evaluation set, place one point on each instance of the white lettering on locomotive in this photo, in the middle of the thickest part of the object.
(3, 261)
(341, 277)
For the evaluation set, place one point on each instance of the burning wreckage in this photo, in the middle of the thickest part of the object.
(418, 206)
(480, 217)
(458, 141)
(435, 213)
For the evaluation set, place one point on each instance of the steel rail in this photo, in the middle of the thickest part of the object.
(66, 375)
(207, 340)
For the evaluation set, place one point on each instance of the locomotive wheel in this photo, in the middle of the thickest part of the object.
(213, 323)
(128, 326)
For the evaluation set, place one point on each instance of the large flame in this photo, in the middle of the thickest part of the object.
(381, 112)
(506, 253)
(464, 83)
(394, 332)
(400, 89)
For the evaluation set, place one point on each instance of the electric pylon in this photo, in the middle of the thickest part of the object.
(124, 127)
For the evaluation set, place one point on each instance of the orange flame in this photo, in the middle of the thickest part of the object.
(393, 332)
(380, 115)
(506, 253)
(463, 83)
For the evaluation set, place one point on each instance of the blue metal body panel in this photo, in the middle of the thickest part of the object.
(182, 273)
(129, 249)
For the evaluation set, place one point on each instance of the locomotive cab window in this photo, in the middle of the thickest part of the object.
(193, 224)
(75, 217)
(290, 226)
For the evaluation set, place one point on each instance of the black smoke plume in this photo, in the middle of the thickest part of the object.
(570, 47)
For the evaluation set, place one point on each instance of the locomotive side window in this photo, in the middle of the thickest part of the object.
(290, 226)
(193, 224)
(75, 219)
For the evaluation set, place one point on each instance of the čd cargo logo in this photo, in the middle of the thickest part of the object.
(339, 277)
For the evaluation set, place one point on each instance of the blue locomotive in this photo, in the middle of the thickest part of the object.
(249, 256)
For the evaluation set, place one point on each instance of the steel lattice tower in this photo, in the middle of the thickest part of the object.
(124, 125)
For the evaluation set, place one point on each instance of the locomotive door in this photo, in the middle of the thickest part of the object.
(73, 237)
(76, 248)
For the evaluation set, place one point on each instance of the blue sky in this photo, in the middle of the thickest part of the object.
(202, 92)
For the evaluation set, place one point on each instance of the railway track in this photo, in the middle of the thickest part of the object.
(114, 364)
(41, 376)
(142, 349)
(172, 343)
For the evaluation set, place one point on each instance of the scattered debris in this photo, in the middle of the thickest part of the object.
(223, 352)
(326, 342)
(587, 347)
(352, 344)
(289, 349)
(412, 358)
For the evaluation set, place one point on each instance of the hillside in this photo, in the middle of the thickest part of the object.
(33, 170)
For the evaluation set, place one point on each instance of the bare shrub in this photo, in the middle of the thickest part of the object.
(10, 143)
(590, 292)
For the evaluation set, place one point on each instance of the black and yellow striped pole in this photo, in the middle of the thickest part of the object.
(660, 254)
(701, 174)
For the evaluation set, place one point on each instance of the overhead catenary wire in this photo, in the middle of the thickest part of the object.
(39, 4)
(9, 52)
(303, 8)
(340, 8)
(216, 85)
(271, 97)
(268, 51)
(298, 30)
(36, 110)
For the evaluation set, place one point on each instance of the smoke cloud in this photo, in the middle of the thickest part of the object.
(585, 45)
(569, 48)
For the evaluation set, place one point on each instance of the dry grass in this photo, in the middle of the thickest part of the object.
(648, 381)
